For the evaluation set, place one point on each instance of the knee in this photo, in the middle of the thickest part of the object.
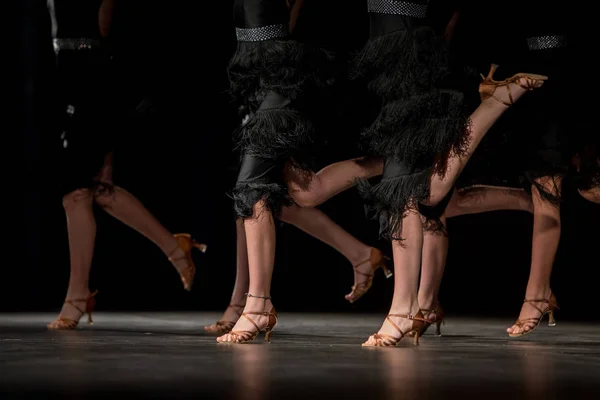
(306, 199)
(77, 198)
(104, 199)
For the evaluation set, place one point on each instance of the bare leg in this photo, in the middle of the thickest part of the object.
(546, 236)
(331, 180)
(482, 120)
(81, 226)
(126, 208)
(435, 250)
(407, 258)
(242, 281)
(480, 199)
(320, 187)
(260, 238)
(317, 224)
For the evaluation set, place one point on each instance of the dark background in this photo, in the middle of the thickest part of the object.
(179, 162)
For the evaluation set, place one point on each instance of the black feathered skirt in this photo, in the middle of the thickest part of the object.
(421, 123)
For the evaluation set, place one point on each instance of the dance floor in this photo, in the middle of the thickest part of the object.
(312, 356)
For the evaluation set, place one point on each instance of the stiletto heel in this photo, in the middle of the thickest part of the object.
(438, 320)
(63, 323)
(376, 260)
(488, 86)
(241, 337)
(383, 340)
(186, 244)
(533, 323)
(221, 327)
(386, 271)
(551, 320)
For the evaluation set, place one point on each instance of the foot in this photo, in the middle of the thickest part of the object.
(253, 305)
(179, 260)
(180, 256)
(507, 95)
(72, 311)
(228, 320)
(364, 270)
(531, 312)
(394, 328)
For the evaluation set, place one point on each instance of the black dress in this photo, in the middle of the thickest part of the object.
(85, 105)
(279, 82)
(422, 118)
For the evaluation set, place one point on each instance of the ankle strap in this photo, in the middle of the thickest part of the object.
(258, 297)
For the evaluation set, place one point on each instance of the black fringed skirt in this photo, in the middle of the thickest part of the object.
(422, 122)
(280, 85)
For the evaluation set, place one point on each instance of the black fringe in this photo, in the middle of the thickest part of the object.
(402, 63)
(287, 67)
(277, 134)
(247, 195)
(422, 131)
(389, 200)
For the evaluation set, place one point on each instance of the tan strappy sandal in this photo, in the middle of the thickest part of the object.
(186, 244)
(533, 323)
(438, 320)
(241, 337)
(383, 340)
(63, 323)
(222, 326)
(377, 260)
(488, 87)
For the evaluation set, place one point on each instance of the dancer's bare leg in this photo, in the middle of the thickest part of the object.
(242, 282)
(407, 259)
(482, 119)
(331, 180)
(435, 250)
(546, 236)
(480, 199)
(129, 210)
(81, 227)
(260, 238)
(317, 224)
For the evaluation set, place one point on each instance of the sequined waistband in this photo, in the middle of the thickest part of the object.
(397, 8)
(547, 42)
(261, 34)
(75, 44)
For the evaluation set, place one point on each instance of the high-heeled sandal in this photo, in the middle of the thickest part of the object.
(489, 85)
(438, 320)
(220, 327)
(241, 337)
(377, 260)
(63, 323)
(383, 340)
(533, 323)
(186, 244)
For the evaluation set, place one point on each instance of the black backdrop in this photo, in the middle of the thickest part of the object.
(180, 164)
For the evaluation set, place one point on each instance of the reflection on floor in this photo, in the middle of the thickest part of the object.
(159, 355)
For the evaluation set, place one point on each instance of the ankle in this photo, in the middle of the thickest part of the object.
(258, 302)
(538, 292)
(428, 302)
(77, 294)
(359, 255)
(410, 307)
